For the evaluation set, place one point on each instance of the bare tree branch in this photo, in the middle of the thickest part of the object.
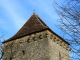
(69, 23)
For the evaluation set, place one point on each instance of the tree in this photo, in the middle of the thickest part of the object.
(1, 44)
(69, 23)
(1, 53)
(0, 50)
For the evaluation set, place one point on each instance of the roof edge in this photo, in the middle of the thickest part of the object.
(58, 36)
(36, 32)
(22, 36)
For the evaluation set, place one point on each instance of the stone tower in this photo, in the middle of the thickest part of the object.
(35, 41)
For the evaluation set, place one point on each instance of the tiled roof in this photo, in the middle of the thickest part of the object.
(33, 25)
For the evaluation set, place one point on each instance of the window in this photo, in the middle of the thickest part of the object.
(23, 52)
(28, 40)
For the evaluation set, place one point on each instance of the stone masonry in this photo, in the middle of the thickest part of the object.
(41, 45)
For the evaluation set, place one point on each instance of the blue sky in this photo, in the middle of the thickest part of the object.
(14, 13)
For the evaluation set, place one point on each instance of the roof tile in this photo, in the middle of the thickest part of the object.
(33, 25)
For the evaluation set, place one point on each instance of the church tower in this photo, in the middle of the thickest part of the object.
(35, 41)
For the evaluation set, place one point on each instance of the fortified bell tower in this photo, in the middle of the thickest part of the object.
(35, 41)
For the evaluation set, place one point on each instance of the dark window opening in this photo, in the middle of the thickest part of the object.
(40, 36)
(23, 52)
(10, 58)
(34, 38)
(28, 40)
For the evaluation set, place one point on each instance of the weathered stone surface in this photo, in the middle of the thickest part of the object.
(39, 46)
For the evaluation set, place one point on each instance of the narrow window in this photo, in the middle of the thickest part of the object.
(28, 40)
(23, 52)
(10, 58)
(34, 38)
(40, 36)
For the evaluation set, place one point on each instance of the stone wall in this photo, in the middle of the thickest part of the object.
(58, 49)
(39, 46)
